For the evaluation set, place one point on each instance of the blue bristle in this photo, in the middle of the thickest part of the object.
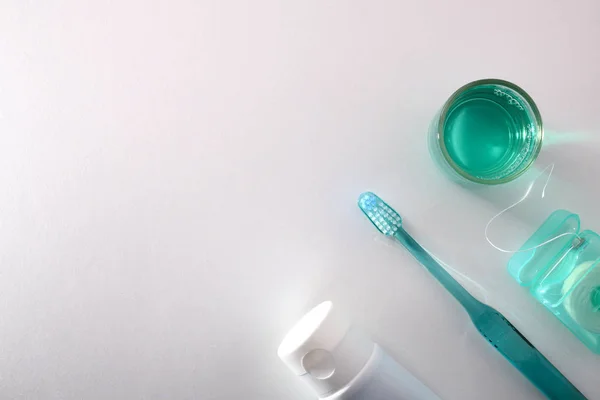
(379, 213)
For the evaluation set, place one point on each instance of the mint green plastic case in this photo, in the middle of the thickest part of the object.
(564, 274)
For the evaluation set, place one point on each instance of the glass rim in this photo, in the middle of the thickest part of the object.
(530, 103)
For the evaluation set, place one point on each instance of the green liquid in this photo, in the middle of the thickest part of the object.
(490, 132)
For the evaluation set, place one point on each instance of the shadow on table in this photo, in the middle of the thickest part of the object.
(566, 174)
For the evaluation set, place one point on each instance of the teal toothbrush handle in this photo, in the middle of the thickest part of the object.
(470, 303)
(498, 330)
(524, 356)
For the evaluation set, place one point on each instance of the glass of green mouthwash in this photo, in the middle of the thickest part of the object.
(489, 131)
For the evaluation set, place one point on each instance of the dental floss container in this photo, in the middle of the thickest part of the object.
(561, 267)
(339, 363)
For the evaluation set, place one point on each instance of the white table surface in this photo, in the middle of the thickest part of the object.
(180, 182)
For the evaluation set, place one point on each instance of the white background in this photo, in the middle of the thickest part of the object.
(179, 184)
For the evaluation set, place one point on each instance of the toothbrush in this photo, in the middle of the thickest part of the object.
(494, 327)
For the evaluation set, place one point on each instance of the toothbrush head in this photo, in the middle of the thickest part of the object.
(385, 219)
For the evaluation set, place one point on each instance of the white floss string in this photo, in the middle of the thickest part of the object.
(583, 282)
(459, 276)
(527, 192)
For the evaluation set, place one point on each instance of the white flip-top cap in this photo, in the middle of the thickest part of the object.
(324, 350)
